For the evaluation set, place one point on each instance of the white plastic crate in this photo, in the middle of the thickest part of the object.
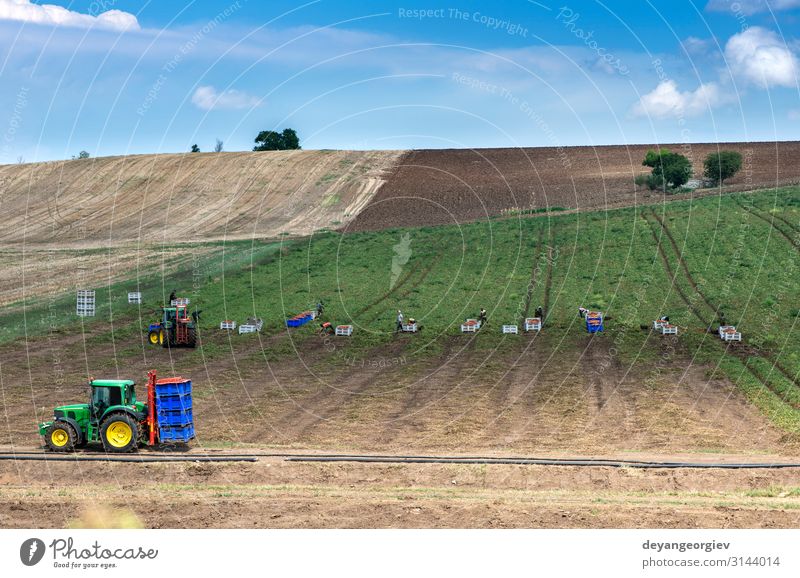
(134, 298)
(533, 324)
(179, 302)
(510, 329)
(85, 305)
(667, 329)
(409, 328)
(729, 333)
(344, 330)
(227, 325)
(247, 329)
(658, 324)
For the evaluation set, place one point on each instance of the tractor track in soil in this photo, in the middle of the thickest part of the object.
(532, 282)
(741, 354)
(548, 280)
(682, 262)
(672, 275)
(404, 293)
(791, 376)
(386, 295)
(771, 222)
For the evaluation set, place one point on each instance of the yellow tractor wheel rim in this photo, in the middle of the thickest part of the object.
(59, 437)
(154, 338)
(119, 434)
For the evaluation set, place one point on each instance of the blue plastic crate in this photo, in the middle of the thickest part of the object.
(173, 402)
(176, 433)
(173, 388)
(298, 322)
(175, 417)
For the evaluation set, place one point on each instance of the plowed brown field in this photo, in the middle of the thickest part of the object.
(436, 187)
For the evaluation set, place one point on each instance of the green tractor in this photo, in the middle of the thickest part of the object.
(112, 416)
(116, 418)
(177, 327)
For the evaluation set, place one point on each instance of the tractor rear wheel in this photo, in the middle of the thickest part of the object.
(120, 433)
(163, 339)
(191, 340)
(60, 437)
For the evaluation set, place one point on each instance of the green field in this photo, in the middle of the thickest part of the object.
(734, 253)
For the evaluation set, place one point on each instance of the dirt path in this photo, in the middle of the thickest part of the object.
(276, 494)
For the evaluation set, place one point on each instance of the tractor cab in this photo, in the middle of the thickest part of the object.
(108, 393)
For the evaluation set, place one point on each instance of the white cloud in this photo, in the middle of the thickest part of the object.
(697, 46)
(760, 57)
(25, 11)
(207, 98)
(749, 7)
(667, 101)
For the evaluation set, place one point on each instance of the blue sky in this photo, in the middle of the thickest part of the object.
(124, 77)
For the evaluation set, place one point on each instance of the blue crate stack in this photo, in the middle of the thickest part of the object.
(174, 410)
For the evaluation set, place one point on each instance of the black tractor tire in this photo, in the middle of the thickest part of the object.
(120, 433)
(60, 437)
(165, 342)
(192, 338)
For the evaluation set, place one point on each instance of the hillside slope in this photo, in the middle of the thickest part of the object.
(187, 197)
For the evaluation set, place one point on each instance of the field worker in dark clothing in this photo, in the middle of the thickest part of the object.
(539, 312)
(320, 308)
(664, 318)
(171, 297)
(482, 317)
(582, 311)
(399, 320)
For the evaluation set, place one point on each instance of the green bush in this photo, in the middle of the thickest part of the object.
(722, 165)
(670, 170)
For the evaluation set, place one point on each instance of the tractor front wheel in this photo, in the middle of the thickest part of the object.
(60, 437)
(154, 337)
(120, 433)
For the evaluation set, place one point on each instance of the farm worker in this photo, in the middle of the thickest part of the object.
(539, 312)
(582, 311)
(399, 320)
(171, 297)
(482, 316)
(664, 318)
(320, 308)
